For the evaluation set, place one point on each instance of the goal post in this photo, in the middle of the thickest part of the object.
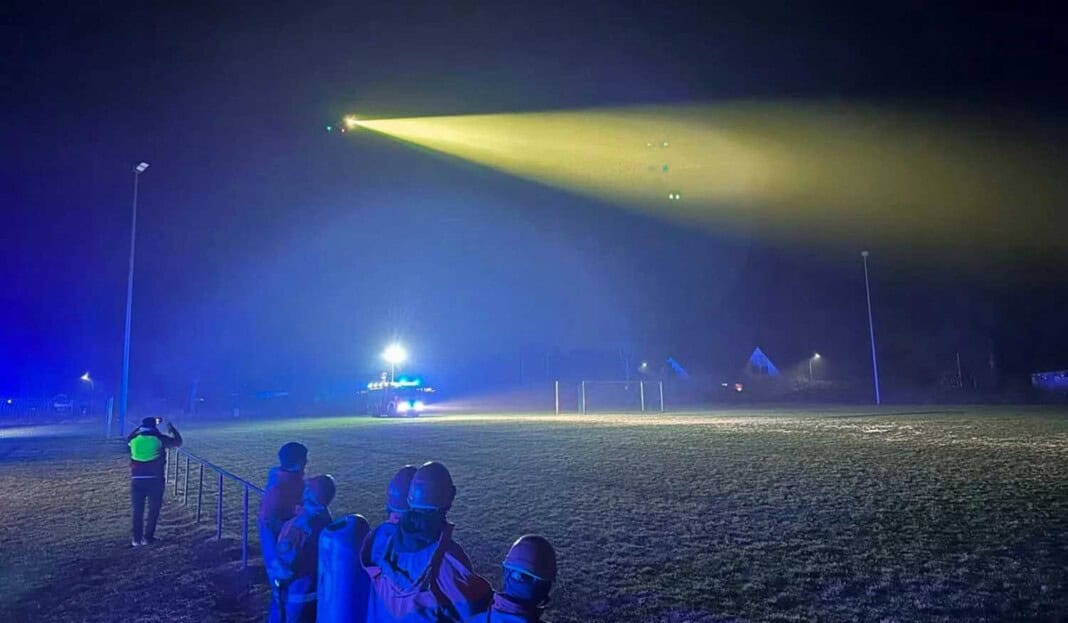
(618, 396)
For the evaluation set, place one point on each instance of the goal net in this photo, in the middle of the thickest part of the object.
(620, 396)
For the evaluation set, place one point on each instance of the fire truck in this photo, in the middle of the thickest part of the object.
(402, 397)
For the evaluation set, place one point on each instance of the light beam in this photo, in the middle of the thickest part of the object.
(821, 170)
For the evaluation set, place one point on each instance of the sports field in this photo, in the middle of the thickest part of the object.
(842, 515)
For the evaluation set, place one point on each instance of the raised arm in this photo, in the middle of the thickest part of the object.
(175, 438)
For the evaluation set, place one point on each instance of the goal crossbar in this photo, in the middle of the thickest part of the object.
(650, 394)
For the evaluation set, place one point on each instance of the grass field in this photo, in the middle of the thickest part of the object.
(843, 515)
(65, 543)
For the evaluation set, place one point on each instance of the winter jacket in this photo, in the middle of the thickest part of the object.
(435, 585)
(505, 610)
(298, 549)
(280, 503)
(148, 451)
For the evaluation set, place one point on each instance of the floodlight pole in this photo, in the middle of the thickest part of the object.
(125, 387)
(871, 329)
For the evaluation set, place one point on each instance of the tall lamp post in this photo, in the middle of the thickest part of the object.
(125, 387)
(394, 356)
(85, 378)
(871, 329)
(815, 357)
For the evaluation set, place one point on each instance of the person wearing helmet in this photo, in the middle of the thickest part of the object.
(281, 499)
(396, 504)
(148, 470)
(297, 554)
(417, 572)
(397, 493)
(529, 573)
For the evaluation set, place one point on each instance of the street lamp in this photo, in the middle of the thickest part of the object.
(394, 356)
(125, 387)
(871, 329)
(813, 358)
(85, 378)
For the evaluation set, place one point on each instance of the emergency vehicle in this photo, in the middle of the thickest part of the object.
(402, 397)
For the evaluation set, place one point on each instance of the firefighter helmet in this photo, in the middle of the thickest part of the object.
(533, 555)
(323, 488)
(431, 487)
(397, 491)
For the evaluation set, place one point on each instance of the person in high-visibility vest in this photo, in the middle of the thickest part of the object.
(148, 467)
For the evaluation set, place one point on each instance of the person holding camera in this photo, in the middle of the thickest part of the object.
(148, 468)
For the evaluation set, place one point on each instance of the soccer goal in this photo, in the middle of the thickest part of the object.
(617, 396)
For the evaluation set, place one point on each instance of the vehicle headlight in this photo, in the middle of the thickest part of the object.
(403, 407)
(418, 405)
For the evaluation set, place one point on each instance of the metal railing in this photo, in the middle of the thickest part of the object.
(220, 478)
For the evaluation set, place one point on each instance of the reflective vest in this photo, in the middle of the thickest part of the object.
(146, 448)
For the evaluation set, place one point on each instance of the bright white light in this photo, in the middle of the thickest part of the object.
(141, 167)
(403, 407)
(350, 121)
(816, 356)
(85, 377)
(10, 401)
(419, 405)
(395, 354)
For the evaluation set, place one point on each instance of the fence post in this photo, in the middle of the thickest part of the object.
(556, 391)
(200, 491)
(244, 532)
(661, 396)
(218, 510)
(185, 486)
(177, 459)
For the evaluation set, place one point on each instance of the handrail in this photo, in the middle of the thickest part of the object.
(221, 473)
(210, 465)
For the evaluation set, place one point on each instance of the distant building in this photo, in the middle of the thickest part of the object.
(759, 365)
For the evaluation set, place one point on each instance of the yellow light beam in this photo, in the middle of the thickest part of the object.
(813, 169)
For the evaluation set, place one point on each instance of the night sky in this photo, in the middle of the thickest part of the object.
(272, 253)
